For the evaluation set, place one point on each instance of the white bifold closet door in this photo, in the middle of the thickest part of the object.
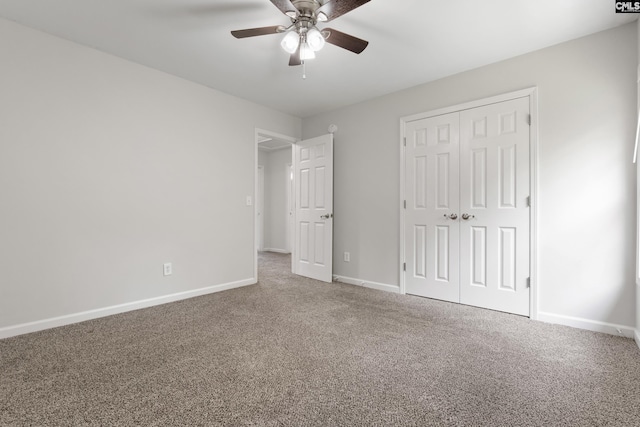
(432, 197)
(467, 215)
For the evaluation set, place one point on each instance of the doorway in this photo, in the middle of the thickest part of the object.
(468, 188)
(269, 142)
(304, 180)
(273, 192)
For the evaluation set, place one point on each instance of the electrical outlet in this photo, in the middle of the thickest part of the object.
(167, 269)
(249, 201)
(347, 257)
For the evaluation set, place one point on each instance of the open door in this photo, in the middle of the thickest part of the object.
(313, 171)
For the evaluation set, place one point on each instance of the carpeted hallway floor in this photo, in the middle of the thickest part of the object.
(296, 352)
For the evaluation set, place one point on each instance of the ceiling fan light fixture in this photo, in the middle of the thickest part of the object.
(315, 39)
(290, 42)
(306, 52)
(301, 38)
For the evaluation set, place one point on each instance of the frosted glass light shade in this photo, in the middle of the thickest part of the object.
(306, 52)
(315, 39)
(290, 42)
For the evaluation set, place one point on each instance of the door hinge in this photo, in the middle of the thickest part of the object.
(405, 204)
(529, 119)
(529, 201)
(405, 141)
(404, 267)
(528, 282)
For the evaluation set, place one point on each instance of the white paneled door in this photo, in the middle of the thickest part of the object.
(494, 194)
(313, 168)
(432, 205)
(467, 219)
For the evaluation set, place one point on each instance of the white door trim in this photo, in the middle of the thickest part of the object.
(532, 93)
(259, 201)
(257, 134)
(290, 199)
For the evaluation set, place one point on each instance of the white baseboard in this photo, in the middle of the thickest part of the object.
(39, 325)
(637, 337)
(588, 324)
(367, 284)
(276, 250)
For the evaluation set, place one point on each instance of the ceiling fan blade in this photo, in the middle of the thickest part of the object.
(286, 7)
(295, 58)
(262, 31)
(345, 41)
(336, 8)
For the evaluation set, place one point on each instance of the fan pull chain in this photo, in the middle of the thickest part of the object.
(304, 70)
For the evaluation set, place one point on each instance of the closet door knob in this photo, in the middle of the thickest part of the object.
(466, 216)
(452, 216)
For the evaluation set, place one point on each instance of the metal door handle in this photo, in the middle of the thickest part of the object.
(466, 216)
(326, 216)
(452, 216)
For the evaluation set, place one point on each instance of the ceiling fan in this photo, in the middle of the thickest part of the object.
(303, 38)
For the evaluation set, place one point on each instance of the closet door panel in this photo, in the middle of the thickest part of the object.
(494, 192)
(432, 189)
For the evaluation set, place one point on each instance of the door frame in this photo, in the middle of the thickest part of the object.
(270, 134)
(532, 93)
(259, 202)
(290, 206)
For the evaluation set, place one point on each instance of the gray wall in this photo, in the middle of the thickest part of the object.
(638, 207)
(587, 100)
(108, 170)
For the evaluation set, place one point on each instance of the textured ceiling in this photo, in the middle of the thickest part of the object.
(411, 41)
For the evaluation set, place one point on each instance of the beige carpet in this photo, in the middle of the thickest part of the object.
(295, 352)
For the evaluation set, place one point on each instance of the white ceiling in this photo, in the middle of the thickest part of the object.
(272, 144)
(411, 41)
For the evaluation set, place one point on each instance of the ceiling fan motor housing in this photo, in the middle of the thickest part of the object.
(307, 8)
(307, 16)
